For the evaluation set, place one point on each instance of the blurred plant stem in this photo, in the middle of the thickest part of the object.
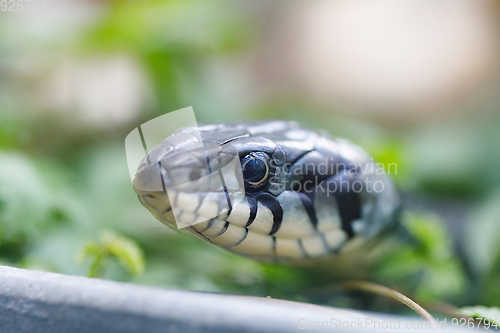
(384, 291)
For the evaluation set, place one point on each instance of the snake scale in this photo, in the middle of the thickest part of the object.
(305, 195)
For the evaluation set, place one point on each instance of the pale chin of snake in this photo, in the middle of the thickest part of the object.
(230, 231)
(245, 222)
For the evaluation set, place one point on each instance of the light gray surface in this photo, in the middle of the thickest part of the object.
(45, 302)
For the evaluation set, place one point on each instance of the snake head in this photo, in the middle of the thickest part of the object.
(191, 182)
(272, 191)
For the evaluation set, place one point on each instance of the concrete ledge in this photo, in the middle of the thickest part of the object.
(45, 302)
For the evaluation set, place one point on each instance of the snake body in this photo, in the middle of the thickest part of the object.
(306, 195)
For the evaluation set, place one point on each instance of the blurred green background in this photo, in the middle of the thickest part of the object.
(77, 76)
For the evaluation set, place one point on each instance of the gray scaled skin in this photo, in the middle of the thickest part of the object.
(304, 195)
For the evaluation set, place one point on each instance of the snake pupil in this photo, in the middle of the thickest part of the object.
(255, 169)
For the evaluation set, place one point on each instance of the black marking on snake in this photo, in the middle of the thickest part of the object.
(307, 199)
(236, 138)
(241, 240)
(348, 203)
(174, 203)
(209, 225)
(143, 201)
(223, 230)
(200, 234)
(269, 201)
(301, 246)
(198, 206)
(230, 206)
(252, 204)
(323, 239)
(228, 199)
(208, 160)
(167, 210)
(161, 176)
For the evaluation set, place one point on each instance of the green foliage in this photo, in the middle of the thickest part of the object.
(425, 264)
(443, 157)
(482, 248)
(172, 39)
(112, 246)
(29, 204)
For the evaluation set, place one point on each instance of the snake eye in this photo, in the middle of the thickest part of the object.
(255, 168)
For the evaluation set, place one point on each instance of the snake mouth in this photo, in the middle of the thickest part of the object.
(182, 209)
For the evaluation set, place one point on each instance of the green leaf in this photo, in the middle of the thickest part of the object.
(126, 251)
(95, 252)
(479, 311)
(113, 246)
